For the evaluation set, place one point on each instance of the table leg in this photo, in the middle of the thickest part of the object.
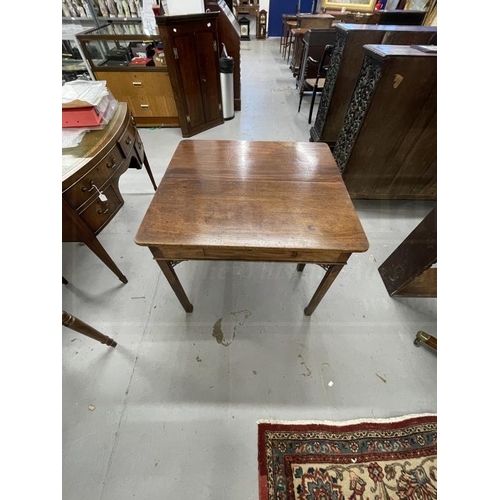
(95, 245)
(168, 270)
(148, 170)
(323, 287)
(79, 326)
(300, 267)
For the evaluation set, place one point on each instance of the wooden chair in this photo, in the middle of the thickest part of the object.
(288, 39)
(316, 84)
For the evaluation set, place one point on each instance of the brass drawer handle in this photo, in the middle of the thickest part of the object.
(101, 212)
(145, 106)
(137, 84)
(92, 186)
(128, 141)
(111, 163)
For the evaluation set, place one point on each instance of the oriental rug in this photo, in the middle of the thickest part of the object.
(376, 459)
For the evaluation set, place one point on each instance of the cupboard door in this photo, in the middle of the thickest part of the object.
(193, 62)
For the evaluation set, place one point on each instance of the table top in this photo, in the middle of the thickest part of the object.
(254, 195)
(92, 143)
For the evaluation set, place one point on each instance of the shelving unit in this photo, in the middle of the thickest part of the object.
(111, 51)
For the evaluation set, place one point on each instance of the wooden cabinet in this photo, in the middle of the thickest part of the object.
(347, 59)
(112, 51)
(148, 95)
(192, 56)
(387, 147)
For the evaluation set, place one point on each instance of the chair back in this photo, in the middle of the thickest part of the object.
(324, 62)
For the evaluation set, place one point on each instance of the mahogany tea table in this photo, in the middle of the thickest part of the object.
(252, 201)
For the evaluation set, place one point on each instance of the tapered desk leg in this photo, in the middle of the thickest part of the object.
(79, 326)
(323, 287)
(90, 240)
(300, 267)
(168, 271)
(95, 245)
(148, 170)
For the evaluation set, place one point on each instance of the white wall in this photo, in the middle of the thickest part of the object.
(178, 7)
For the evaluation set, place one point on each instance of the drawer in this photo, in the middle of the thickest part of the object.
(152, 106)
(83, 189)
(126, 141)
(139, 148)
(99, 213)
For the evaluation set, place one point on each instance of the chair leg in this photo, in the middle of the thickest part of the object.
(312, 104)
(300, 100)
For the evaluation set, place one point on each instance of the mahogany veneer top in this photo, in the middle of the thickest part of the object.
(253, 195)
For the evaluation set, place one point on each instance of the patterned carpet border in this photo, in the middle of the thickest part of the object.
(354, 459)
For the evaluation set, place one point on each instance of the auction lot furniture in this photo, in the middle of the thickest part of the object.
(252, 201)
(408, 271)
(111, 52)
(90, 175)
(387, 147)
(347, 60)
(193, 64)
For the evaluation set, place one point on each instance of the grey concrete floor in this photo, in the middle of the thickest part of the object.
(174, 411)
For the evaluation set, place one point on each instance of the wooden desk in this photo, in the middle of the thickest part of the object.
(90, 175)
(252, 201)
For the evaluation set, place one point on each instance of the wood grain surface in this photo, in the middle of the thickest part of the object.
(239, 200)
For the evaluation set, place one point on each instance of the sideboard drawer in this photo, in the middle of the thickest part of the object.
(83, 189)
(139, 148)
(98, 213)
(126, 141)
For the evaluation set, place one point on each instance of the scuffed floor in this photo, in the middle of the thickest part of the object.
(171, 411)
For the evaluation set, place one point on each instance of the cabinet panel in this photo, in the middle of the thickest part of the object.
(206, 47)
(193, 63)
(147, 94)
(190, 78)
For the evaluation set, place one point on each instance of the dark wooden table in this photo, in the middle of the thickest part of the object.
(252, 201)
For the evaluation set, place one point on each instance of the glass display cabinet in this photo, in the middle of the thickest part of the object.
(134, 67)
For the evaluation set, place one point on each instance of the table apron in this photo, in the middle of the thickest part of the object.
(250, 255)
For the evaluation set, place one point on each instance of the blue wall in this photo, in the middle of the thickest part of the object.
(279, 7)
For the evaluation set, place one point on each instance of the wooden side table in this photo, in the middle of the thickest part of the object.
(252, 201)
(90, 181)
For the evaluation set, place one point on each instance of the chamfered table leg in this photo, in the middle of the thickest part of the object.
(300, 267)
(79, 326)
(323, 287)
(168, 270)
